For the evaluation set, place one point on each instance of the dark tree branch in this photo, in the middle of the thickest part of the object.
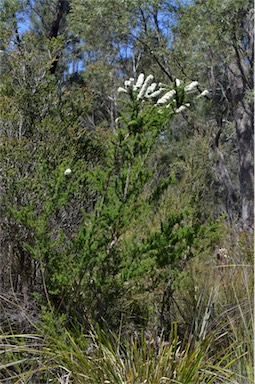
(151, 52)
(155, 18)
(240, 64)
(54, 31)
(58, 17)
(18, 39)
(144, 20)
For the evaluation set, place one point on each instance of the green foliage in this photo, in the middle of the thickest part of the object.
(74, 229)
(113, 208)
(101, 357)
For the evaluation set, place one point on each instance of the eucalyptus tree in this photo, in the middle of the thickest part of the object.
(214, 42)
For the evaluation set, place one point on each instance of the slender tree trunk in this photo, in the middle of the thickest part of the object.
(227, 182)
(53, 33)
(243, 116)
(245, 137)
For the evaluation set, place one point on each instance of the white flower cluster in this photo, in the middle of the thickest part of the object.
(144, 86)
(204, 93)
(67, 172)
(146, 89)
(190, 88)
(167, 96)
(182, 108)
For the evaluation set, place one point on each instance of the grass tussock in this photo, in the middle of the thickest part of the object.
(102, 357)
(216, 306)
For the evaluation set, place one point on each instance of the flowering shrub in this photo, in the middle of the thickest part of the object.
(85, 194)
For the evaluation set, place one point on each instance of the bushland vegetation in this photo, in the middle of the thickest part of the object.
(126, 191)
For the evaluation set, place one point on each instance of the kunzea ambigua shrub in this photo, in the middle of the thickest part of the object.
(89, 259)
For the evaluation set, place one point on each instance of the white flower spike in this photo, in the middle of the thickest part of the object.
(67, 172)
(140, 81)
(146, 84)
(127, 83)
(182, 108)
(167, 96)
(154, 94)
(204, 93)
(131, 81)
(150, 89)
(122, 90)
(191, 86)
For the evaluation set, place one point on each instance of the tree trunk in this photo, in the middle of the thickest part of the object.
(243, 116)
(226, 181)
(53, 33)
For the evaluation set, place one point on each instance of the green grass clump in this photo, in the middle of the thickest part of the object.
(102, 357)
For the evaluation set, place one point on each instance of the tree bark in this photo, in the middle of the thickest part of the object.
(60, 8)
(226, 181)
(244, 117)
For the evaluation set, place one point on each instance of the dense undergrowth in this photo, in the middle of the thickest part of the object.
(134, 280)
(126, 250)
(212, 342)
